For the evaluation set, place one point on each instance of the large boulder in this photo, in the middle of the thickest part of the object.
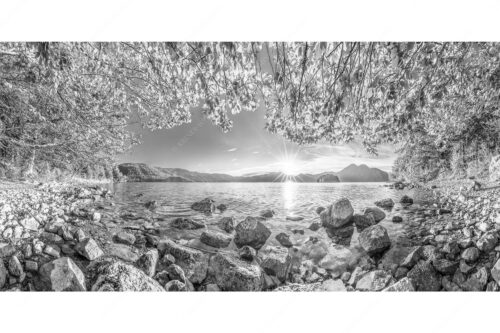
(215, 239)
(487, 242)
(470, 254)
(111, 274)
(338, 214)
(192, 261)
(226, 224)
(251, 232)
(233, 274)
(61, 275)
(425, 277)
(377, 213)
(206, 206)
(276, 261)
(495, 272)
(374, 240)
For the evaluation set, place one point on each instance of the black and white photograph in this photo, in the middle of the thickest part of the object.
(263, 166)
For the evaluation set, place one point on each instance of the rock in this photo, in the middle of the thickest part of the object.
(363, 221)
(495, 272)
(374, 281)
(152, 205)
(345, 277)
(401, 272)
(15, 267)
(394, 257)
(451, 248)
(51, 238)
(314, 226)
(251, 232)
(494, 168)
(215, 239)
(247, 253)
(464, 268)
(377, 213)
(111, 274)
(52, 250)
(425, 277)
(470, 254)
(492, 286)
(405, 284)
(445, 266)
(477, 282)
(374, 240)
(267, 213)
(193, 262)
(449, 285)
(96, 216)
(487, 242)
(284, 239)
(212, 287)
(31, 266)
(442, 211)
(122, 251)
(385, 203)
(276, 262)
(356, 275)
(233, 274)
(148, 261)
(294, 218)
(406, 200)
(206, 206)
(124, 238)
(338, 214)
(6, 250)
(333, 285)
(397, 219)
(89, 249)
(175, 285)
(222, 207)
(175, 272)
(319, 210)
(227, 224)
(61, 275)
(3, 274)
(80, 235)
(186, 224)
(30, 223)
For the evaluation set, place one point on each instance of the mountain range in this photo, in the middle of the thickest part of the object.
(140, 172)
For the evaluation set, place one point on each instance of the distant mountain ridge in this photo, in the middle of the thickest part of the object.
(141, 172)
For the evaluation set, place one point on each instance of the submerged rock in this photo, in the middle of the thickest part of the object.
(284, 239)
(385, 203)
(192, 261)
(251, 232)
(363, 221)
(227, 224)
(406, 200)
(377, 213)
(151, 204)
(374, 240)
(206, 206)
(267, 213)
(215, 239)
(338, 214)
(110, 274)
(186, 224)
(341, 235)
(233, 274)
(61, 275)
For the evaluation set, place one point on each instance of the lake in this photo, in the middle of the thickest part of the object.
(248, 199)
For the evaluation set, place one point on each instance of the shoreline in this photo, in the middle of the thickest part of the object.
(68, 232)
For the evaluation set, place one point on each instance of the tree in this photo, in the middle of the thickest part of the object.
(71, 102)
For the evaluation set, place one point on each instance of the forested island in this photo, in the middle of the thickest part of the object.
(65, 115)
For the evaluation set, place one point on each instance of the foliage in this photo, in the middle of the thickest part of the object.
(69, 104)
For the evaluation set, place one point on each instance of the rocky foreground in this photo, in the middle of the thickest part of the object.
(58, 238)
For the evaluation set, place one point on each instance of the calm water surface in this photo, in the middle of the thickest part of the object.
(248, 199)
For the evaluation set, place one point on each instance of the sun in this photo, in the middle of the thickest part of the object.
(289, 166)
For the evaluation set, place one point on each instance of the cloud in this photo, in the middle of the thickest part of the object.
(232, 149)
(255, 152)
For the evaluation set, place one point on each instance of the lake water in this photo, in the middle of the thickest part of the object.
(248, 199)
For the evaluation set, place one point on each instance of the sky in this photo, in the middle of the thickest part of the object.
(247, 149)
